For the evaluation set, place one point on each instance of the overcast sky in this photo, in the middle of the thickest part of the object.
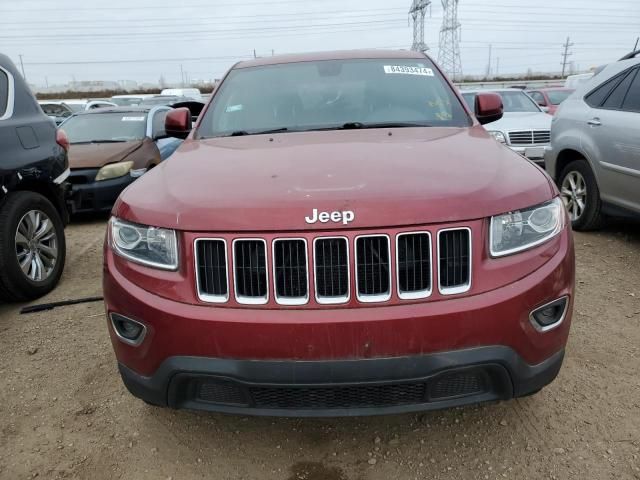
(143, 39)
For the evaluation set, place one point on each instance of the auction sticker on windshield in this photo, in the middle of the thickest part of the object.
(407, 70)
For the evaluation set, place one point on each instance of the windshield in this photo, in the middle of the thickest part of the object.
(513, 102)
(110, 127)
(55, 109)
(329, 94)
(127, 101)
(556, 97)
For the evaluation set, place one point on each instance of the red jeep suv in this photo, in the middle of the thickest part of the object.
(338, 235)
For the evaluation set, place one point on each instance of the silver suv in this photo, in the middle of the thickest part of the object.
(595, 146)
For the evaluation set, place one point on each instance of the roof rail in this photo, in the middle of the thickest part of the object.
(631, 55)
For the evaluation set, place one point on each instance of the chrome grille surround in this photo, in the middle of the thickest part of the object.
(377, 297)
(467, 285)
(207, 297)
(416, 294)
(250, 300)
(340, 267)
(290, 300)
(325, 300)
(529, 137)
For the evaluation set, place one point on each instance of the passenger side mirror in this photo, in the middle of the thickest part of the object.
(488, 107)
(178, 123)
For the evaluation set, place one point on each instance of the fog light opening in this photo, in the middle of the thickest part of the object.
(129, 331)
(549, 316)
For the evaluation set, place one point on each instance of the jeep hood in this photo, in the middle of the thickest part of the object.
(97, 155)
(398, 177)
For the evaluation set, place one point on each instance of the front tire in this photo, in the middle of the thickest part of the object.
(32, 247)
(581, 196)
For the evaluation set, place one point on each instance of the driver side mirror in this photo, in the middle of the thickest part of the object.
(178, 123)
(488, 107)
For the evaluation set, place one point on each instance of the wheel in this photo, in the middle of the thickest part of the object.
(580, 194)
(32, 247)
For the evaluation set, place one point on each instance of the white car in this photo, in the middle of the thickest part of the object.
(129, 100)
(193, 93)
(82, 105)
(524, 127)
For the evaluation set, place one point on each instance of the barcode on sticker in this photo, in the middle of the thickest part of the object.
(133, 119)
(407, 70)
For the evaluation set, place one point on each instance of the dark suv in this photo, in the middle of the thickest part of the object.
(33, 168)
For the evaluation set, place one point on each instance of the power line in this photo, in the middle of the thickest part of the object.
(449, 44)
(566, 54)
(418, 11)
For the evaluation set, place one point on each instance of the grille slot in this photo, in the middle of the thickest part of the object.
(454, 267)
(290, 271)
(541, 136)
(530, 137)
(331, 269)
(211, 270)
(250, 269)
(373, 277)
(339, 397)
(413, 263)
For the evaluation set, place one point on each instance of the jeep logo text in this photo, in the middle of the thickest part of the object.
(323, 217)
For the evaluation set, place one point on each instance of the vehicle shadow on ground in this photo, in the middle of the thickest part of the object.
(381, 438)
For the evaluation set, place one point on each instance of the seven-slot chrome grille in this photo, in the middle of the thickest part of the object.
(530, 137)
(325, 270)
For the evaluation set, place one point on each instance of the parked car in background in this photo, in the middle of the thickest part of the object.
(595, 139)
(347, 241)
(524, 127)
(109, 149)
(33, 169)
(164, 100)
(192, 93)
(550, 98)
(56, 111)
(128, 100)
(82, 105)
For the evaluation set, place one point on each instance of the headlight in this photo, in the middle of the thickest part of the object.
(155, 247)
(523, 229)
(114, 170)
(499, 136)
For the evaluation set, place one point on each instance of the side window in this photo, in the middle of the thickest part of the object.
(4, 93)
(539, 98)
(157, 127)
(597, 97)
(632, 101)
(615, 99)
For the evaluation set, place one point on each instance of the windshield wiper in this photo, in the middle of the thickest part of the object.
(240, 133)
(358, 125)
(98, 141)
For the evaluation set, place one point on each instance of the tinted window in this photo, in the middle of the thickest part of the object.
(4, 92)
(113, 127)
(616, 97)
(55, 109)
(632, 102)
(597, 97)
(328, 94)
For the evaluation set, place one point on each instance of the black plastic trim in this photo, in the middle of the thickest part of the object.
(511, 377)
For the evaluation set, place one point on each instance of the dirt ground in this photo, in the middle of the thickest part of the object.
(64, 412)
